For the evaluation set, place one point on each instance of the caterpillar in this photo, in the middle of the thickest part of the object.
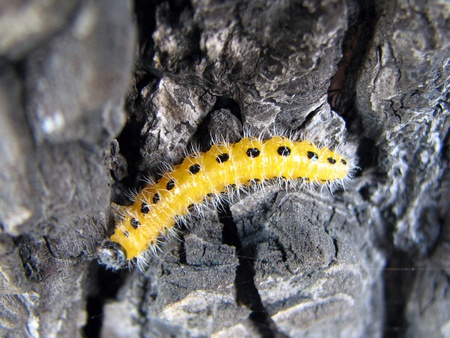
(250, 161)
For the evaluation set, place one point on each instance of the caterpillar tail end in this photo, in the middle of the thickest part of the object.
(112, 255)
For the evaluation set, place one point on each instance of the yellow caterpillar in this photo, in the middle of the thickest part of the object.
(251, 160)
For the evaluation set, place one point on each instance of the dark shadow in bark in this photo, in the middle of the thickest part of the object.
(246, 292)
(108, 283)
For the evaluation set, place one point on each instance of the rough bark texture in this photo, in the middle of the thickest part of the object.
(80, 129)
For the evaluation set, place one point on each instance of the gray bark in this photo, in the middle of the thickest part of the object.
(81, 128)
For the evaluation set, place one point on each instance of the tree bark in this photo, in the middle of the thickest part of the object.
(95, 95)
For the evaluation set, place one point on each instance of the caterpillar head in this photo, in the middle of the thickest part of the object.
(112, 255)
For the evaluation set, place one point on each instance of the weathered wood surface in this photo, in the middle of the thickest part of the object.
(80, 128)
